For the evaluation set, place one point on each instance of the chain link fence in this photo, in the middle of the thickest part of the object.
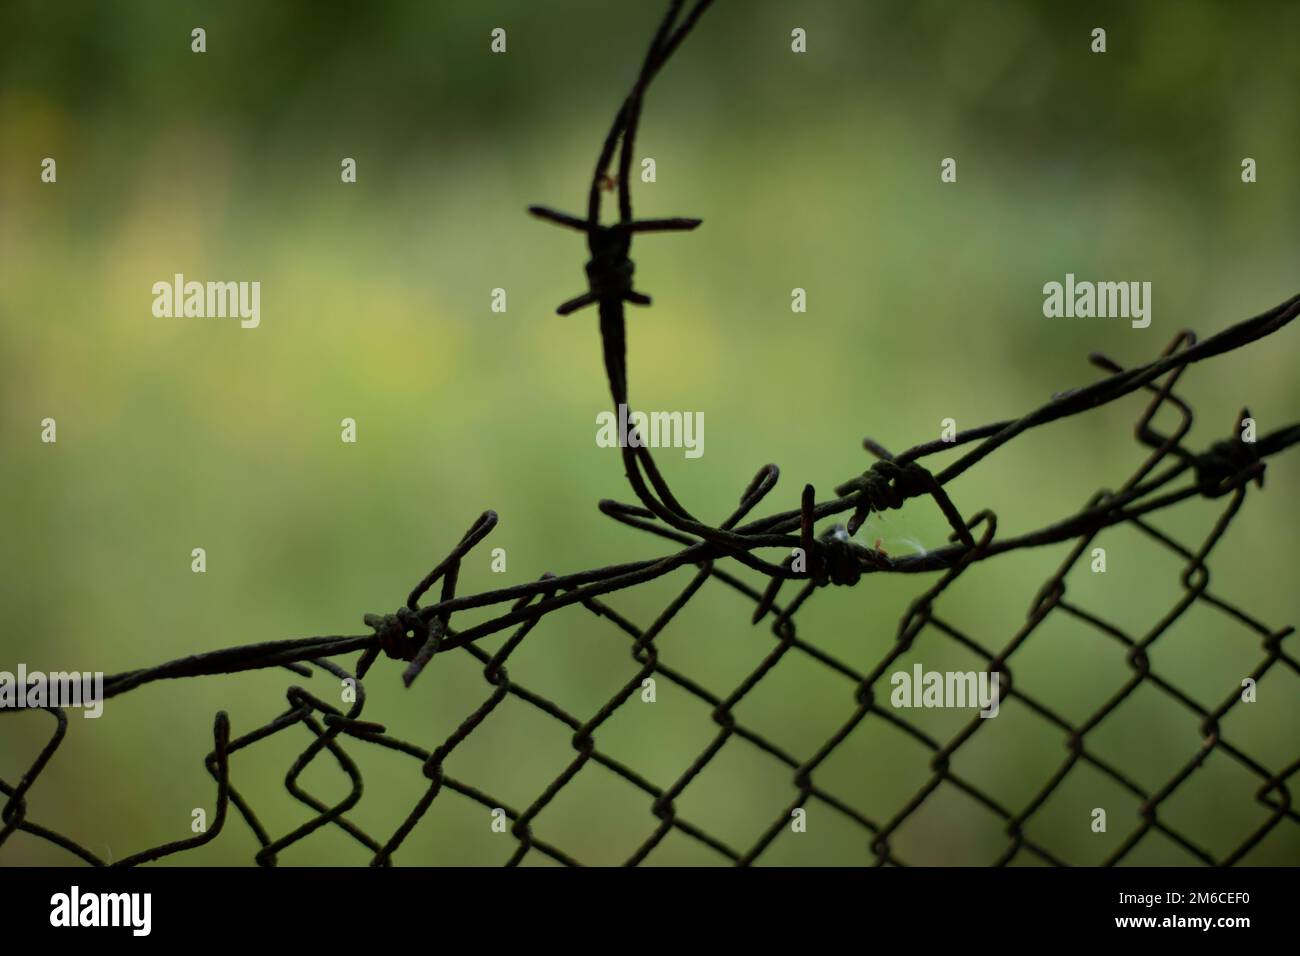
(807, 561)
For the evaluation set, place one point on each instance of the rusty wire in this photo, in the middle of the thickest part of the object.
(417, 634)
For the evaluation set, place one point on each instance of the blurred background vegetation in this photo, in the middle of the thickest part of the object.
(819, 171)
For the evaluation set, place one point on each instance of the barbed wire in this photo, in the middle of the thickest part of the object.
(417, 634)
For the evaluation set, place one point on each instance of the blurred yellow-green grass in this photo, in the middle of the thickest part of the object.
(817, 171)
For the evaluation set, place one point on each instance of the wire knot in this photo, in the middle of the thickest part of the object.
(609, 271)
(1226, 461)
(401, 634)
(835, 559)
(885, 485)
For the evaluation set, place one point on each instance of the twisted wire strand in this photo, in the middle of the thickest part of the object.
(417, 635)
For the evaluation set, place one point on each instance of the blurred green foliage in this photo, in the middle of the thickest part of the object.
(818, 171)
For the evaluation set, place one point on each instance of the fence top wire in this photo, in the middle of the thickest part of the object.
(416, 634)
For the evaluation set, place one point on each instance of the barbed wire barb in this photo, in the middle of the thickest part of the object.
(793, 559)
